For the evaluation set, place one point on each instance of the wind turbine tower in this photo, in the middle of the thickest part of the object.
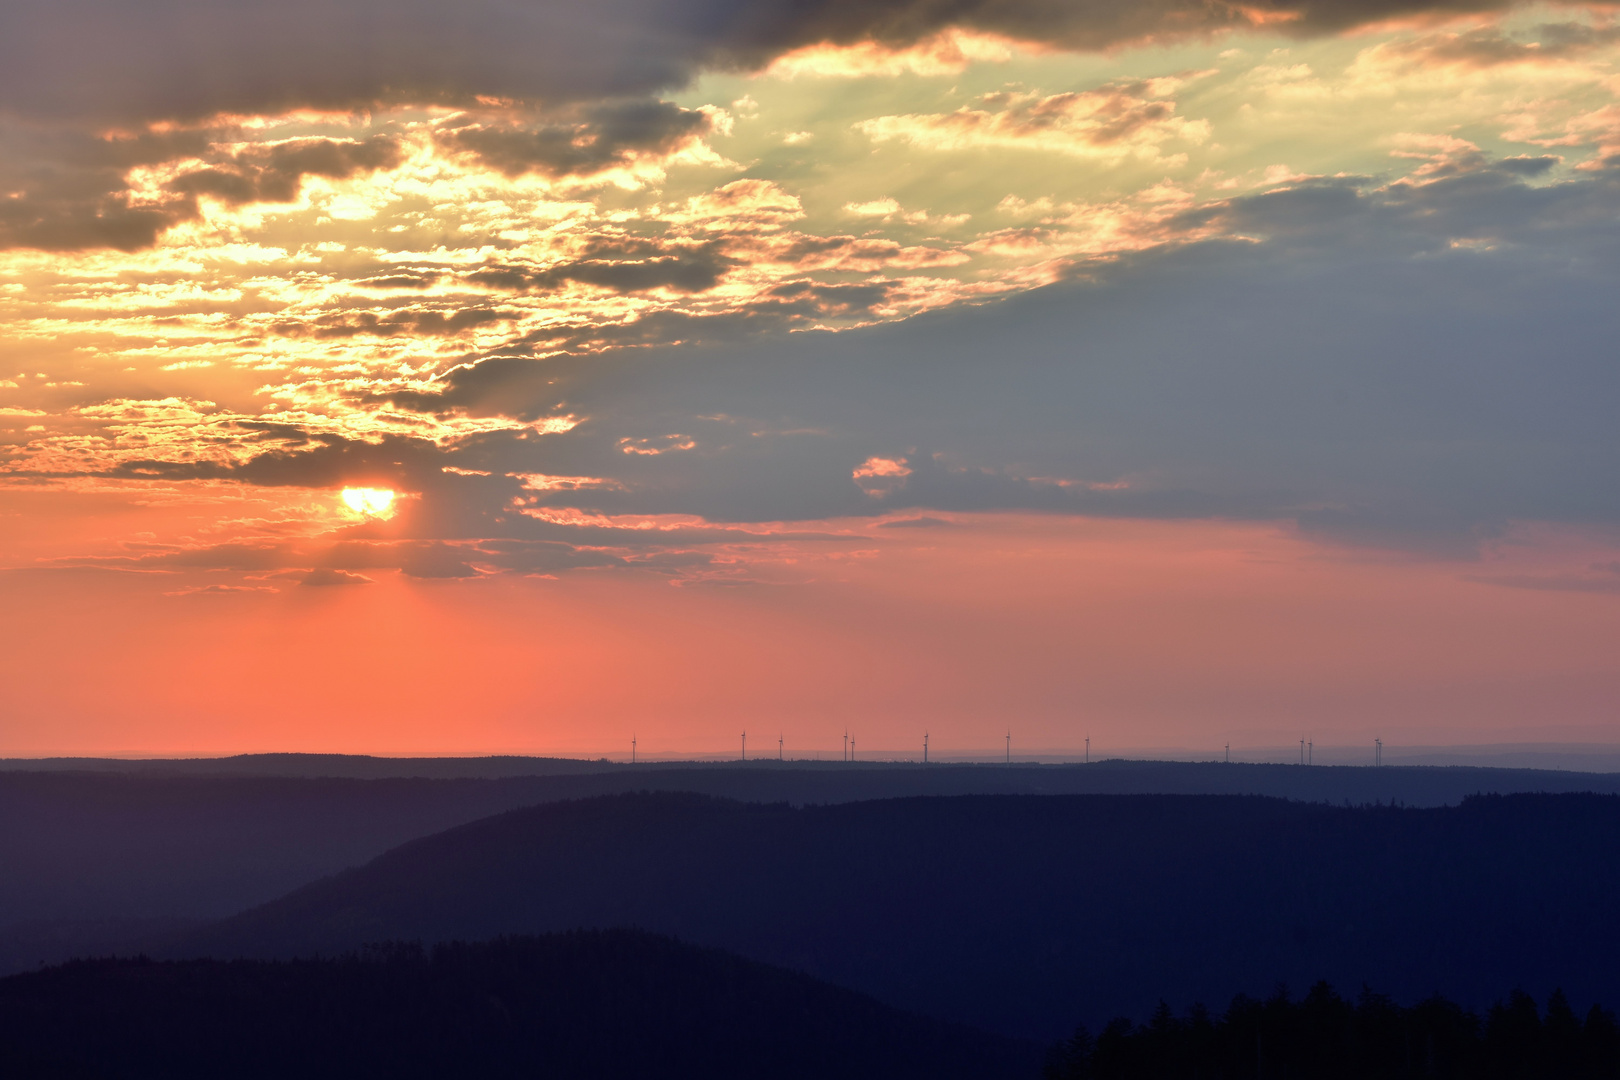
(632, 748)
(1009, 746)
(779, 746)
(925, 748)
(745, 746)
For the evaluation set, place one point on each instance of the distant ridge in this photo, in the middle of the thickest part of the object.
(1429, 782)
(313, 766)
(617, 1005)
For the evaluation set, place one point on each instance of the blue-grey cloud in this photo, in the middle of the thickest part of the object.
(1414, 364)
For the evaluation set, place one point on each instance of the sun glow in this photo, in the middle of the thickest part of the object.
(376, 502)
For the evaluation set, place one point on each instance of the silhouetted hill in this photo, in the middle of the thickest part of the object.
(1022, 914)
(592, 1006)
(97, 861)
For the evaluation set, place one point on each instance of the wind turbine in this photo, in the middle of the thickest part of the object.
(745, 746)
(925, 748)
(1009, 746)
(778, 746)
(632, 748)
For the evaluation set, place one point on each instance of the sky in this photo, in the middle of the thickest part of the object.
(391, 376)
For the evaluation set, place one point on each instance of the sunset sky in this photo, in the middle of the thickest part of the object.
(397, 376)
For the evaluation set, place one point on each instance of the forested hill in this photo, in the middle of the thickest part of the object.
(594, 1006)
(101, 860)
(1022, 914)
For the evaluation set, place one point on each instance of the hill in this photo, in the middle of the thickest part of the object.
(1020, 914)
(117, 858)
(149, 843)
(602, 1006)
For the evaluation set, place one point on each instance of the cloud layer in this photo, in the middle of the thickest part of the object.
(188, 58)
(1412, 365)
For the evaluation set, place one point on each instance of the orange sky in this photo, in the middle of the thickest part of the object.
(1176, 373)
(1139, 634)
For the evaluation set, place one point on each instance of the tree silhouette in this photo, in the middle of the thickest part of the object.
(1322, 1036)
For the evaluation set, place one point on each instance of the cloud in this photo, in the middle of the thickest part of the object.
(1418, 362)
(1414, 364)
(275, 173)
(215, 590)
(69, 191)
(916, 523)
(943, 53)
(440, 321)
(184, 58)
(586, 140)
(66, 191)
(1491, 46)
(1112, 122)
(740, 206)
(1550, 582)
(337, 559)
(327, 576)
(618, 264)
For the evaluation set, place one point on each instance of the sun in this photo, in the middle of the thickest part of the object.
(373, 502)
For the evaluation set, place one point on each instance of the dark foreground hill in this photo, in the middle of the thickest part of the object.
(1022, 914)
(592, 1006)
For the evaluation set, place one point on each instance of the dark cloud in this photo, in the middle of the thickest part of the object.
(276, 173)
(581, 141)
(67, 191)
(1526, 165)
(813, 299)
(623, 266)
(405, 279)
(402, 322)
(323, 461)
(916, 523)
(192, 58)
(53, 219)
